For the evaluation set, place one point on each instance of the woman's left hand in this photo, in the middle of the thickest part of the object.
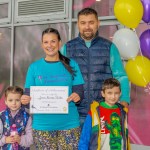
(73, 97)
(25, 99)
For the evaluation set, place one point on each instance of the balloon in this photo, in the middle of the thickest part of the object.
(145, 43)
(127, 43)
(146, 6)
(128, 12)
(138, 70)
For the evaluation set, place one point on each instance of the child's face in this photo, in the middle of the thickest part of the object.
(13, 101)
(111, 96)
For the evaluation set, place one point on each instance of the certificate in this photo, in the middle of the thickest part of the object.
(49, 99)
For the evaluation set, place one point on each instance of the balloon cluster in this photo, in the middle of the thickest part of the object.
(130, 13)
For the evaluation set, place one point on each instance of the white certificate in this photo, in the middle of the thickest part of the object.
(49, 99)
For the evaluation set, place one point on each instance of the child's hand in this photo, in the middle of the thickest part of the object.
(25, 99)
(9, 139)
(17, 139)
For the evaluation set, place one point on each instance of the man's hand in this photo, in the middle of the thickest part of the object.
(125, 104)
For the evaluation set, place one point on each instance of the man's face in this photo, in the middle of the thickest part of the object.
(88, 26)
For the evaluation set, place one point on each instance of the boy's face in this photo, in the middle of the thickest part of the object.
(111, 96)
(13, 101)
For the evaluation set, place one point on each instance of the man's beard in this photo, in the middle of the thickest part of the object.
(88, 37)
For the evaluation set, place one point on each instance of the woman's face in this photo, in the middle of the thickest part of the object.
(51, 44)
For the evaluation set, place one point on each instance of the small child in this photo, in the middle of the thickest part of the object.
(15, 115)
(105, 127)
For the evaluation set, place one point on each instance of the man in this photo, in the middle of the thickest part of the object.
(98, 59)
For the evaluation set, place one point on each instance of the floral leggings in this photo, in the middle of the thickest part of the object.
(57, 140)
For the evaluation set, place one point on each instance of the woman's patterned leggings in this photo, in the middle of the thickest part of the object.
(57, 140)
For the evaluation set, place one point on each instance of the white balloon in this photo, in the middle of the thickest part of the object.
(127, 43)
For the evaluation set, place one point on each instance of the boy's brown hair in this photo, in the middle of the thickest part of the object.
(110, 83)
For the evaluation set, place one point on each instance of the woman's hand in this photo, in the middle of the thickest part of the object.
(25, 99)
(73, 97)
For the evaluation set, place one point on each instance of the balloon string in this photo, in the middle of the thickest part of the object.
(148, 24)
(136, 96)
(148, 28)
(147, 89)
(140, 50)
(138, 43)
(124, 61)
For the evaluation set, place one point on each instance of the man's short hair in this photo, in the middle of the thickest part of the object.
(88, 11)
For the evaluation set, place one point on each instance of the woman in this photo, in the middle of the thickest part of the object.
(55, 131)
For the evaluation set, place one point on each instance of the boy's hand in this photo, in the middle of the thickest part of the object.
(25, 99)
(9, 139)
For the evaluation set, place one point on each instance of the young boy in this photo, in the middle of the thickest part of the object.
(105, 127)
(15, 114)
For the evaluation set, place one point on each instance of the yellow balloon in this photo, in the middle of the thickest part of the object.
(138, 70)
(128, 12)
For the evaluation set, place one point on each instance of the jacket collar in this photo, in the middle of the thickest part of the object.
(92, 41)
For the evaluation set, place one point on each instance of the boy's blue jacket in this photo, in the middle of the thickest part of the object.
(90, 140)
